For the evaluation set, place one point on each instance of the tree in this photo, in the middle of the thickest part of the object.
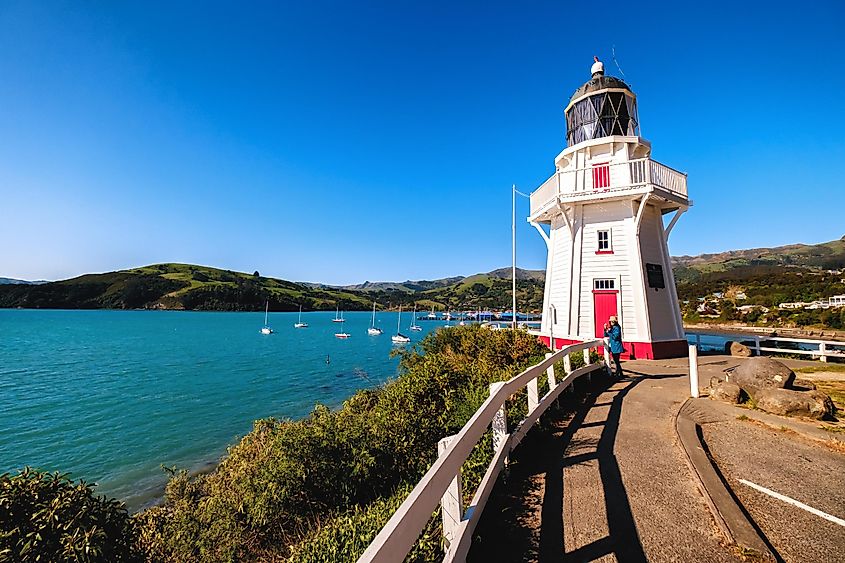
(255, 274)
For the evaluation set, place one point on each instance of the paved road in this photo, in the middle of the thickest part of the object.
(604, 481)
(786, 463)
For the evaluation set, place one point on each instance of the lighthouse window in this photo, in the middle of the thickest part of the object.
(602, 285)
(604, 241)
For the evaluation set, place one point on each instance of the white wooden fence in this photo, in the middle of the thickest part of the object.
(442, 483)
(824, 349)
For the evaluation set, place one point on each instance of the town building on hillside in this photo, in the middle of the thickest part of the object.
(607, 245)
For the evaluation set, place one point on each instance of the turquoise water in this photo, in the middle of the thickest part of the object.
(110, 396)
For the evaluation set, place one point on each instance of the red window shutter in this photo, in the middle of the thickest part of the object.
(601, 176)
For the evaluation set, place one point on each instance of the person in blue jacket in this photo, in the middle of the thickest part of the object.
(613, 333)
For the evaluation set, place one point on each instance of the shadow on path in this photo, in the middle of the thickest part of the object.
(513, 526)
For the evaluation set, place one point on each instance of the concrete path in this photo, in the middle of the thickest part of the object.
(605, 481)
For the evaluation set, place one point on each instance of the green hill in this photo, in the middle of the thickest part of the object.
(201, 288)
(769, 275)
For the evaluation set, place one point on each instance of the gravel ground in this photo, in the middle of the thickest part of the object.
(790, 465)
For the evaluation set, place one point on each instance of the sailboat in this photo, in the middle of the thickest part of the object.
(299, 323)
(374, 330)
(399, 338)
(342, 333)
(414, 326)
(338, 316)
(266, 329)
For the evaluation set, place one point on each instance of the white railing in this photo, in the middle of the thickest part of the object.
(442, 482)
(823, 349)
(620, 176)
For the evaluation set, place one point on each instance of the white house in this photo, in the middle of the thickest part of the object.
(601, 214)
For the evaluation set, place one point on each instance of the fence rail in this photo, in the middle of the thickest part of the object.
(823, 349)
(442, 482)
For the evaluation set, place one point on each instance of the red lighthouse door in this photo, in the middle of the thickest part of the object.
(604, 306)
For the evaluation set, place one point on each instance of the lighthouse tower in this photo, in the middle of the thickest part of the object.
(609, 209)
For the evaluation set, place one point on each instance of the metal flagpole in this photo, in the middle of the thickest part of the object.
(513, 249)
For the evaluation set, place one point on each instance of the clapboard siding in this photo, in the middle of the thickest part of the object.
(559, 280)
(660, 304)
(615, 217)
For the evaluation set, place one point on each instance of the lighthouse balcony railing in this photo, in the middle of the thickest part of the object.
(607, 179)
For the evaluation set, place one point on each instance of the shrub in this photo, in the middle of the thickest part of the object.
(48, 517)
(291, 487)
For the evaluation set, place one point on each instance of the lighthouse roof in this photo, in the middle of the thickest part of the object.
(598, 83)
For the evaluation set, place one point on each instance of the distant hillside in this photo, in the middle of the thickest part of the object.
(190, 287)
(13, 281)
(425, 285)
(770, 275)
(823, 256)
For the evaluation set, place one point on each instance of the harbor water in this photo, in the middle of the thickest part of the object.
(112, 396)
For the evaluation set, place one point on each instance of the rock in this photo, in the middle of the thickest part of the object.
(803, 385)
(788, 402)
(739, 350)
(763, 373)
(727, 392)
(716, 380)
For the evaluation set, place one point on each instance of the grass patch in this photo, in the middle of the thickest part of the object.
(742, 417)
(836, 390)
(827, 368)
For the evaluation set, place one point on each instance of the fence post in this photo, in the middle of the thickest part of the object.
(551, 374)
(533, 395)
(757, 345)
(693, 371)
(698, 342)
(567, 367)
(822, 352)
(500, 421)
(607, 359)
(586, 363)
(451, 502)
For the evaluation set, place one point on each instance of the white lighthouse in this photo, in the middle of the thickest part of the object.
(607, 243)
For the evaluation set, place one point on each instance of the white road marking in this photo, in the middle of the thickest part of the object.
(794, 502)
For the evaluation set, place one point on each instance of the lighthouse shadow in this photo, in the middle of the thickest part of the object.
(622, 539)
(524, 520)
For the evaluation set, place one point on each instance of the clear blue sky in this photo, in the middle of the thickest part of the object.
(350, 141)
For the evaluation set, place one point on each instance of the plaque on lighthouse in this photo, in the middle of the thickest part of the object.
(606, 214)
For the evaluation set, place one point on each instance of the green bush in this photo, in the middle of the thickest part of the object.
(46, 517)
(293, 487)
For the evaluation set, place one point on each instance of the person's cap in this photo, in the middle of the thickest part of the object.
(613, 318)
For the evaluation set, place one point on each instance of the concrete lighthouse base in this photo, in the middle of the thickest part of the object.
(659, 350)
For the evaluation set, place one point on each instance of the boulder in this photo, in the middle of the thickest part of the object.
(788, 402)
(727, 392)
(739, 350)
(763, 373)
(803, 385)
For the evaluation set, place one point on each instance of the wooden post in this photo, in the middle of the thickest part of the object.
(607, 360)
(550, 373)
(757, 345)
(533, 395)
(693, 371)
(452, 501)
(698, 342)
(587, 362)
(567, 367)
(500, 421)
(822, 351)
